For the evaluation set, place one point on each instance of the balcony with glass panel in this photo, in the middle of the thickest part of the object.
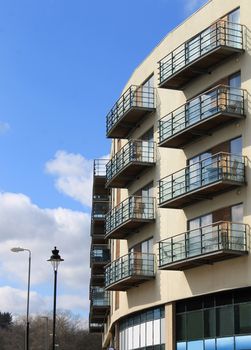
(129, 215)
(129, 110)
(99, 256)
(205, 245)
(201, 115)
(99, 172)
(129, 271)
(199, 54)
(100, 303)
(96, 327)
(129, 161)
(202, 180)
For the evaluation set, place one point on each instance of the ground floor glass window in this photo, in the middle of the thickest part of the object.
(220, 321)
(143, 331)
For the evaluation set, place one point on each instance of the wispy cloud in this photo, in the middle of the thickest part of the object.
(4, 127)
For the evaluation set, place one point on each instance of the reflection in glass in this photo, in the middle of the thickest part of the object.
(210, 344)
(181, 346)
(225, 343)
(243, 342)
(195, 345)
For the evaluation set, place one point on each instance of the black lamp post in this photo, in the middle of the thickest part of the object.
(55, 260)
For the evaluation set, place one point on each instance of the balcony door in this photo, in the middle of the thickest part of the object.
(238, 233)
(147, 146)
(199, 237)
(198, 171)
(140, 261)
(144, 202)
(234, 34)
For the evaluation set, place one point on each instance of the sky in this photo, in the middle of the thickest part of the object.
(63, 64)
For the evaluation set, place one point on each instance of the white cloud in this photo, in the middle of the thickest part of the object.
(73, 175)
(4, 127)
(22, 223)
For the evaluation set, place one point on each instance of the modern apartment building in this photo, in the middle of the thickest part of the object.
(177, 223)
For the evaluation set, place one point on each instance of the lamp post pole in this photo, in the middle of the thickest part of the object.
(17, 250)
(55, 260)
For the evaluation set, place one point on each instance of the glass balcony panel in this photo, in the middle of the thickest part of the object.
(131, 210)
(222, 237)
(125, 270)
(99, 210)
(136, 98)
(221, 102)
(134, 152)
(219, 167)
(100, 297)
(100, 254)
(220, 34)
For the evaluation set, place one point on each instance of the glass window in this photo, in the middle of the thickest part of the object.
(195, 325)
(243, 318)
(234, 80)
(195, 345)
(210, 344)
(224, 321)
(209, 323)
(181, 327)
(236, 146)
(181, 346)
(243, 343)
(225, 343)
(234, 16)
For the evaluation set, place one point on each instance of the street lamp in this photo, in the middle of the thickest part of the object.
(55, 260)
(17, 250)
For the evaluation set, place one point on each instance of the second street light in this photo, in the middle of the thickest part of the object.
(55, 260)
(17, 250)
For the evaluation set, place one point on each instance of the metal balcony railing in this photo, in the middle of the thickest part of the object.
(221, 167)
(223, 236)
(99, 297)
(134, 152)
(99, 167)
(100, 254)
(221, 34)
(136, 265)
(134, 98)
(219, 102)
(133, 208)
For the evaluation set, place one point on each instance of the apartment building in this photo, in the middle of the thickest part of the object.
(177, 194)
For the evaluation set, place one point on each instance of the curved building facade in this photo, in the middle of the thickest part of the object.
(174, 223)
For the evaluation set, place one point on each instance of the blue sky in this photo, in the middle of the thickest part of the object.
(62, 66)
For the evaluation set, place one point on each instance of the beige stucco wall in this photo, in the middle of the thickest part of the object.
(173, 285)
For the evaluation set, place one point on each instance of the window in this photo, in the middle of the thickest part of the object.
(143, 331)
(220, 321)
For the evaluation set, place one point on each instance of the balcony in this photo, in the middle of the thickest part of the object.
(96, 327)
(98, 233)
(199, 54)
(206, 245)
(99, 211)
(100, 303)
(97, 278)
(129, 216)
(134, 157)
(203, 180)
(129, 271)
(99, 256)
(99, 172)
(129, 110)
(201, 115)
